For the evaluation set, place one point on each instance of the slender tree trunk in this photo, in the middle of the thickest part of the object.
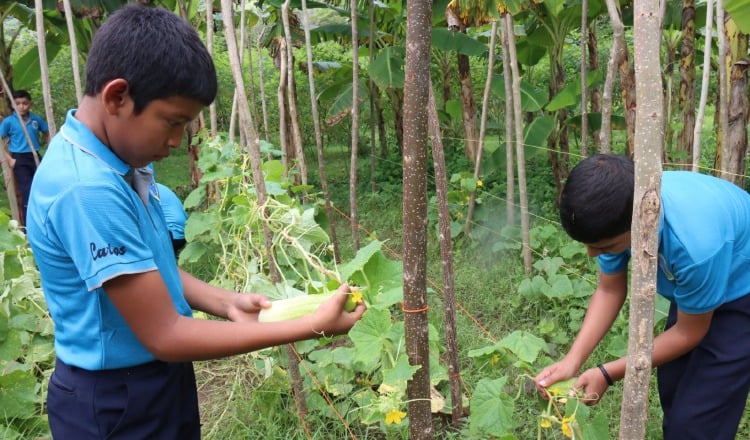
(646, 209)
(520, 153)
(355, 129)
(736, 135)
(319, 136)
(283, 117)
(687, 84)
(262, 87)
(371, 58)
(246, 123)
(73, 49)
(482, 126)
(446, 254)
(416, 95)
(42, 46)
(10, 180)
(291, 96)
(469, 111)
(593, 67)
(704, 87)
(722, 109)
(213, 121)
(584, 80)
(506, 36)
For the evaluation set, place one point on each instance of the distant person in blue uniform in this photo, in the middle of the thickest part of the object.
(175, 216)
(124, 331)
(703, 355)
(19, 155)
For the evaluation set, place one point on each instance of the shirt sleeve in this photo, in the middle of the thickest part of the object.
(614, 263)
(5, 126)
(43, 126)
(97, 227)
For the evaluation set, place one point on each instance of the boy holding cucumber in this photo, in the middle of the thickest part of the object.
(703, 355)
(124, 332)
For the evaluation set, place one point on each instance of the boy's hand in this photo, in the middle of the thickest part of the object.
(331, 318)
(246, 307)
(555, 373)
(593, 384)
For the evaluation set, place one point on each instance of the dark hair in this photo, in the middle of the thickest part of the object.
(597, 200)
(158, 53)
(21, 94)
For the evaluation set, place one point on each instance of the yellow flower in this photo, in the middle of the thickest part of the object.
(495, 359)
(545, 423)
(479, 183)
(566, 430)
(459, 215)
(394, 417)
(356, 296)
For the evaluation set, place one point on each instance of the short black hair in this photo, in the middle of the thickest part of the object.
(159, 54)
(21, 94)
(597, 200)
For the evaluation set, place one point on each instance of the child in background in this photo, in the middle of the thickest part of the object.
(19, 154)
(175, 216)
(124, 332)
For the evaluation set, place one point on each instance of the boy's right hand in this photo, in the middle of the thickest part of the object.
(331, 318)
(554, 373)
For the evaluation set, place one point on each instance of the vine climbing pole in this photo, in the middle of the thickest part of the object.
(416, 98)
(649, 140)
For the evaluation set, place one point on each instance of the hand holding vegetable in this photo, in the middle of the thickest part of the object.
(332, 317)
(559, 371)
(246, 307)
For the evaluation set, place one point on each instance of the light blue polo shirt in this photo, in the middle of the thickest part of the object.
(11, 128)
(704, 242)
(86, 226)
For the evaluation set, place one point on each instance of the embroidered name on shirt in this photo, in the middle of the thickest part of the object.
(97, 253)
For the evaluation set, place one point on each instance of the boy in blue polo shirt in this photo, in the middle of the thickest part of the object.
(703, 355)
(124, 332)
(19, 155)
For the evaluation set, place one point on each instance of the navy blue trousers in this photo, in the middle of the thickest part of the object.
(157, 400)
(703, 393)
(23, 172)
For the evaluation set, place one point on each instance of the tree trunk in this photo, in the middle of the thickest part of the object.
(704, 87)
(482, 126)
(646, 209)
(262, 87)
(44, 66)
(416, 94)
(684, 146)
(510, 209)
(246, 123)
(617, 53)
(520, 153)
(319, 136)
(291, 95)
(594, 66)
(722, 110)
(446, 254)
(281, 92)
(736, 137)
(353, 214)
(584, 81)
(371, 83)
(213, 122)
(73, 49)
(397, 106)
(471, 137)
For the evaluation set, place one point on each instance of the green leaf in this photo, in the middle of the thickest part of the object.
(537, 132)
(369, 335)
(401, 372)
(18, 395)
(445, 39)
(491, 409)
(740, 12)
(596, 428)
(26, 71)
(532, 98)
(358, 262)
(387, 68)
(524, 345)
